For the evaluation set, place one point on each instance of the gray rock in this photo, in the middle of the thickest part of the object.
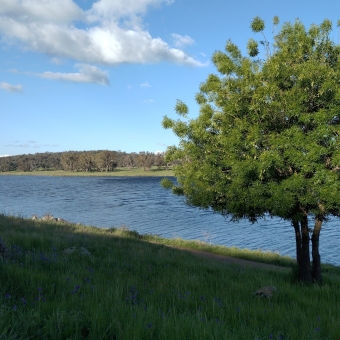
(61, 220)
(48, 217)
(70, 250)
(81, 250)
(266, 292)
(84, 251)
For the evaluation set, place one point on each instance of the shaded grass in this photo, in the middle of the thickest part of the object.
(154, 172)
(246, 254)
(133, 289)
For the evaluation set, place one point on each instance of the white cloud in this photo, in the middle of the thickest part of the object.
(112, 32)
(86, 74)
(149, 101)
(56, 61)
(60, 11)
(4, 155)
(35, 145)
(180, 40)
(129, 9)
(11, 88)
(146, 84)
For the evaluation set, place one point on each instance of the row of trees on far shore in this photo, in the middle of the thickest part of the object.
(88, 161)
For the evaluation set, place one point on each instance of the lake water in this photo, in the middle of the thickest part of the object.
(141, 204)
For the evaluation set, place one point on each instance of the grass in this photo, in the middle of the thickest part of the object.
(117, 172)
(134, 288)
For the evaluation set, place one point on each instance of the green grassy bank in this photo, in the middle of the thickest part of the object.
(117, 172)
(136, 287)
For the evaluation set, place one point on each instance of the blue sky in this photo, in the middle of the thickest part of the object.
(93, 75)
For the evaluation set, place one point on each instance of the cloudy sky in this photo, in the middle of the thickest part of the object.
(90, 75)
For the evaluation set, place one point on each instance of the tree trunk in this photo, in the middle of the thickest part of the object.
(316, 271)
(304, 265)
(298, 241)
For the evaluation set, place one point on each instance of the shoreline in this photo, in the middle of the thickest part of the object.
(242, 256)
(117, 173)
(259, 258)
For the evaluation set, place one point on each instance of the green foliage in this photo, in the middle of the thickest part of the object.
(200, 98)
(166, 183)
(181, 108)
(223, 63)
(253, 48)
(167, 123)
(267, 139)
(326, 26)
(233, 50)
(257, 25)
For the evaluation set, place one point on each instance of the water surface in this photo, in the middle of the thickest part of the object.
(140, 203)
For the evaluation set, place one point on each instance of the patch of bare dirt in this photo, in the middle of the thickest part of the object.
(234, 260)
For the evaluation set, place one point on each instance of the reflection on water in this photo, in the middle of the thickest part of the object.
(140, 203)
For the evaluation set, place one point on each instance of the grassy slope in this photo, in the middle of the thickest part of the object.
(133, 289)
(116, 172)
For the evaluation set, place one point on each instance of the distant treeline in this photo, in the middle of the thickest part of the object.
(101, 160)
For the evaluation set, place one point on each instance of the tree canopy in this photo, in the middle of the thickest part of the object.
(266, 140)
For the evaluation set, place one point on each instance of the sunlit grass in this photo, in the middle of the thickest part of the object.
(117, 172)
(131, 288)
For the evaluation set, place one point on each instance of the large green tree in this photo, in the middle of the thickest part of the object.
(266, 140)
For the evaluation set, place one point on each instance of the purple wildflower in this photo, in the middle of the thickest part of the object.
(75, 290)
(218, 302)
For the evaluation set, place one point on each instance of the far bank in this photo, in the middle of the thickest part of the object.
(117, 172)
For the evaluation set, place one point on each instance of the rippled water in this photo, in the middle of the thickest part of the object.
(140, 203)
